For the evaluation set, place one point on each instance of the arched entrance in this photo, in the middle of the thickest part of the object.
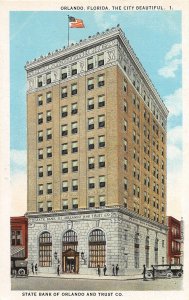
(70, 256)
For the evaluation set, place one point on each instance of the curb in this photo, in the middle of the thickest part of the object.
(83, 278)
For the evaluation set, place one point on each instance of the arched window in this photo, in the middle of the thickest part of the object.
(45, 250)
(136, 250)
(69, 241)
(97, 248)
(156, 251)
(147, 250)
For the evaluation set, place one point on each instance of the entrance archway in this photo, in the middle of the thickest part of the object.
(70, 261)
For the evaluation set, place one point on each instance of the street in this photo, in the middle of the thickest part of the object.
(48, 284)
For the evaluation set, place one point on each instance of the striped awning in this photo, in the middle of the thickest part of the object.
(17, 251)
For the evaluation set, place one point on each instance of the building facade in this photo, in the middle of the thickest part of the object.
(175, 241)
(96, 149)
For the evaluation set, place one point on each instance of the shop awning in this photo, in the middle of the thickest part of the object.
(17, 251)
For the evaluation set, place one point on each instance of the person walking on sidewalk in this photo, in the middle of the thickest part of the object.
(98, 270)
(153, 272)
(117, 269)
(105, 269)
(113, 270)
(36, 269)
(58, 270)
(144, 272)
(32, 268)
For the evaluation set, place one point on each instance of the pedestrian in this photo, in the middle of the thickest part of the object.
(105, 269)
(153, 272)
(98, 270)
(32, 267)
(36, 268)
(58, 270)
(144, 272)
(113, 270)
(117, 269)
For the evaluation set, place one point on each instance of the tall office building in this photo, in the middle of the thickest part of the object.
(96, 158)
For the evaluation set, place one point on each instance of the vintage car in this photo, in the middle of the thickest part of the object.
(21, 268)
(167, 271)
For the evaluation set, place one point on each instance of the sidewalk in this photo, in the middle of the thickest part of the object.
(88, 277)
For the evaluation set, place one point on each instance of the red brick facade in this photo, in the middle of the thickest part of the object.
(174, 241)
(19, 234)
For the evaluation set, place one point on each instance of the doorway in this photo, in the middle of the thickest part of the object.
(70, 261)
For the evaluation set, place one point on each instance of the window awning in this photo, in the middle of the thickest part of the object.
(17, 251)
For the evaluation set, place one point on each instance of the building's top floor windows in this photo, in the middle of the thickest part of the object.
(64, 73)
(40, 100)
(74, 89)
(74, 69)
(90, 84)
(64, 92)
(90, 64)
(101, 80)
(48, 78)
(39, 81)
(125, 85)
(101, 59)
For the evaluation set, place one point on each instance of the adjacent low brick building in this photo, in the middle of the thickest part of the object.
(96, 159)
(175, 241)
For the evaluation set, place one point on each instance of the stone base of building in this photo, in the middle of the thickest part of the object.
(79, 241)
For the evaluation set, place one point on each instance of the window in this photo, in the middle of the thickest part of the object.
(156, 251)
(125, 106)
(49, 170)
(74, 69)
(49, 151)
(136, 250)
(90, 123)
(125, 202)
(48, 78)
(49, 188)
(65, 167)
(40, 171)
(74, 127)
(90, 143)
(74, 109)
(49, 97)
(40, 153)
(90, 103)
(49, 205)
(125, 184)
(40, 136)
(134, 136)
(101, 101)
(101, 121)
(40, 189)
(64, 111)
(64, 130)
(49, 116)
(101, 59)
(64, 73)
(74, 203)
(74, 185)
(125, 164)
(74, 147)
(49, 133)
(90, 64)
(16, 237)
(74, 89)
(45, 250)
(65, 186)
(91, 201)
(64, 149)
(91, 164)
(40, 206)
(90, 84)
(125, 145)
(69, 240)
(101, 81)
(40, 100)
(125, 86)
(102, 181)
(91, 183)
(40, 118)
(147, 251)
(39, 81)
(101, 141)
(64, 92)
(74, 165)
(97, 249)
(102, 200)
(65, 204)
(101, 161)
(125, 125)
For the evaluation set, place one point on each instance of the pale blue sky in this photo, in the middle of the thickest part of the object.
(154, 36)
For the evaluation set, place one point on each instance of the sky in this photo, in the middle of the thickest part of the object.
(155, 38)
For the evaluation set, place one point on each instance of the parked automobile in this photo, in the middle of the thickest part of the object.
(21, 268)
(167, 271)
